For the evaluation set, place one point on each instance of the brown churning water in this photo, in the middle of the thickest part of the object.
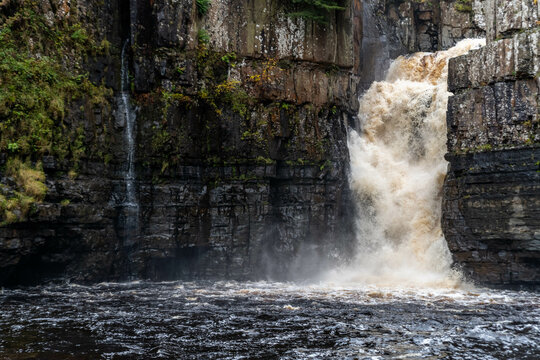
(397, 173)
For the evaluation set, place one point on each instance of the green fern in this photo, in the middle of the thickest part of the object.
(202, 6)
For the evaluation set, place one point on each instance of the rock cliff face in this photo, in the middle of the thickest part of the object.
(430, 25)
(395, 27)
(240, 134)
(491, 207)
(241, 157)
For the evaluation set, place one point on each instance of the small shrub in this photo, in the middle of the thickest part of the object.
(203, 6)
(13, 147)
(202, 34)
(79, 35)
(229, 58)
(463, 5)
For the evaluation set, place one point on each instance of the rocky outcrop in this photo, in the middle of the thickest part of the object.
(492, 191)
(396, 27)
(241, 160)
(432, 25)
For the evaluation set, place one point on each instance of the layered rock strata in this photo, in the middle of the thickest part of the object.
(491, 207)
(241, 156)
(396, 27)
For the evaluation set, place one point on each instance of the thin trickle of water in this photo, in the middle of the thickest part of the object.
(130, 203)
(129, 116)
(397, 173)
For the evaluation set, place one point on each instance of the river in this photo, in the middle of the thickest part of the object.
(265, 320)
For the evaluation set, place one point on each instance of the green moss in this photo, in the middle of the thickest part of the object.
(17, 202)
(485, 147)
(41, 77)
(36, 91)
(264, 160)
(463, 5)
(161, 139)
(202, 122)
(231, 93)
(28, 178)
(217, 90)
(175, 97)
(246, 177)
(255, 137)
(165, 141)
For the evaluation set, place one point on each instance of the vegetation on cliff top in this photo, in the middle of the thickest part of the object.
(316, 10)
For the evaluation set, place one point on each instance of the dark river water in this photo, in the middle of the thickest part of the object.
(230, 320)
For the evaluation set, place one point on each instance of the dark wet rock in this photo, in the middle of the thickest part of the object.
(398, 27)
(238, 184)
(241, 187)
(492, 191)
(491, 215)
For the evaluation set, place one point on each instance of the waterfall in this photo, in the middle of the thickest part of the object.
(130, 203)
(397, 173)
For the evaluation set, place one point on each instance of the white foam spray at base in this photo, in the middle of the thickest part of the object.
(397, 173)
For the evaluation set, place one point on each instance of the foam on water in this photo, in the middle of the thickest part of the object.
(260, 320)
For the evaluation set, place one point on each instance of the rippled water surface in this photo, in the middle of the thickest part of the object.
(228, 320)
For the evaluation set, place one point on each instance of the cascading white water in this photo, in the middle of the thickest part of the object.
(129, 138)
(397, 173)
